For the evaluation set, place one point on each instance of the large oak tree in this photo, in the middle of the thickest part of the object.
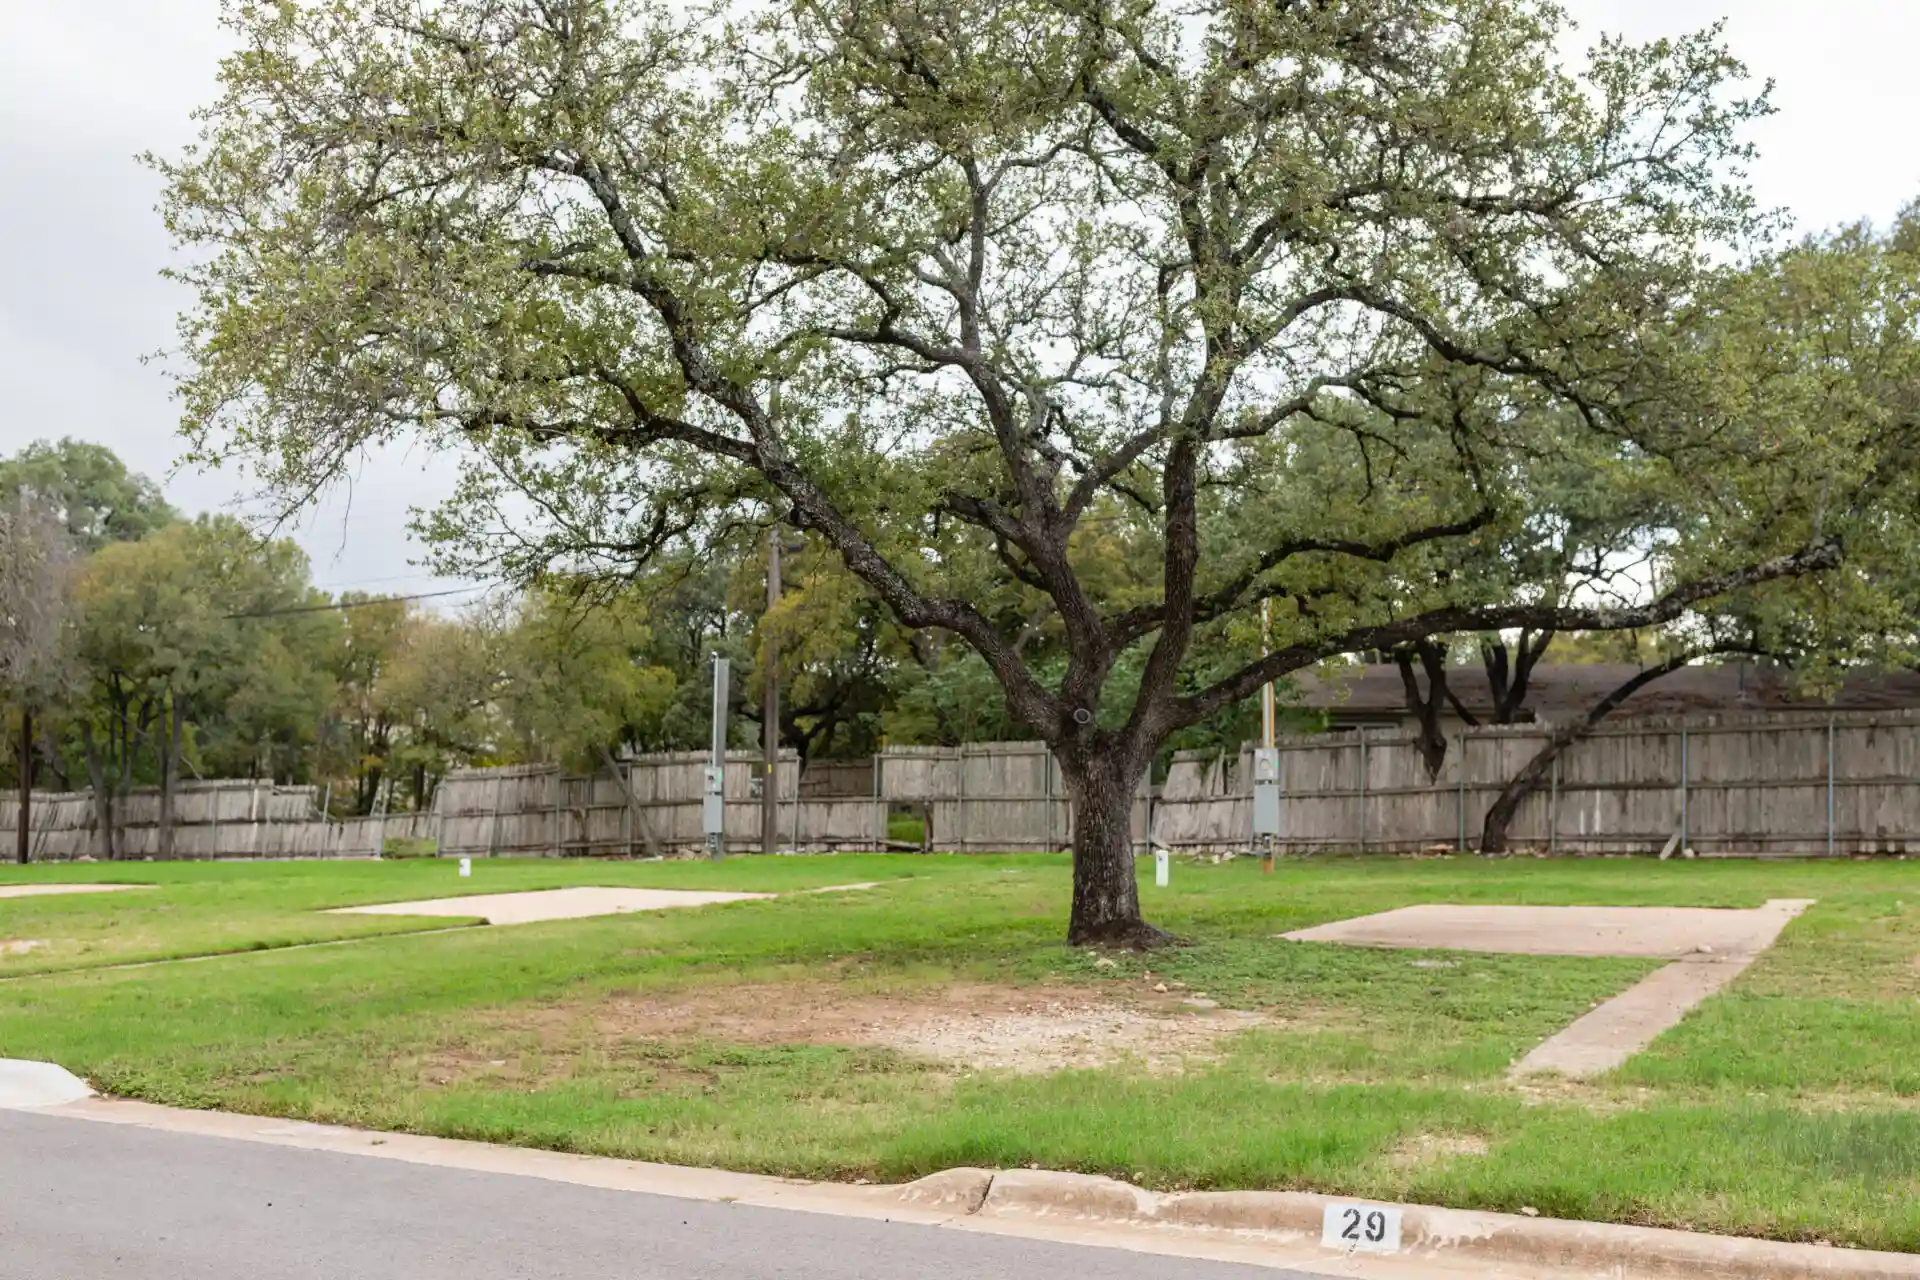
(1302, 296)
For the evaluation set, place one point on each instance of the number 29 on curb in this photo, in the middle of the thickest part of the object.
(1361, 1228)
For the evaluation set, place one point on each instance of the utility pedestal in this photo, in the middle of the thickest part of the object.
(1266, 800)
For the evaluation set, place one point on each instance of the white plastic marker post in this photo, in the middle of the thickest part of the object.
(1361, 1228)
(466, 866)
(1160, 867)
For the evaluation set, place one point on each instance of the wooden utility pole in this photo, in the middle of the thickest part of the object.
(770, 706)
(22, 844)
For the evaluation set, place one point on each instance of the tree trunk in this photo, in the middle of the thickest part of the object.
(1493, 832)
(130, 733)
(52, 768)
(23, 843)
(1106, 895)
(169, 776)
(102, 792)
(1431, 737)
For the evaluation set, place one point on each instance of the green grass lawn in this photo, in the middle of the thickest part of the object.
(1788, 1106)
(185, 909)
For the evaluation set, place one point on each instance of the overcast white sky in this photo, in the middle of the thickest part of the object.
(86, 85)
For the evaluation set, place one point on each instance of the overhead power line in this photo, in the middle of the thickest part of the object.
(358, 583)
(355, 604)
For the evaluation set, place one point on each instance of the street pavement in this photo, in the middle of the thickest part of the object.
(81, 1200)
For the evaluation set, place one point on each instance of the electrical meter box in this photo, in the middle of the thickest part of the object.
(1266, 793)
(713, 804)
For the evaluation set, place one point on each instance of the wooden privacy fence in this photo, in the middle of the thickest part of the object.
(652, 804)
(989, 796)
(1785, 784)
(1781, 784)
(213, 819)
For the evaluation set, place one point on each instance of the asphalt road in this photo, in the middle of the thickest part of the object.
(88, 1201)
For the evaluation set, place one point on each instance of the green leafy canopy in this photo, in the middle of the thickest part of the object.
(1360, 312)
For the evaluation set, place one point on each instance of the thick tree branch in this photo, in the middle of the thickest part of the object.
(812, 508)
(1134, 623)
(1813, 558)
(1500, 814)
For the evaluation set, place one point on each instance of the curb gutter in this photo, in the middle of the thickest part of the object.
(1426, 1234)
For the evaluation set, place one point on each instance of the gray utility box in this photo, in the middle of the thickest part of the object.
(713, 803)
(1266, 792)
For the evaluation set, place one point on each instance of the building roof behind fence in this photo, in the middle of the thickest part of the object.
(1557, 690)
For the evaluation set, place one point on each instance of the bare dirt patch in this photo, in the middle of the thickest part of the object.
(459, 1064)
(1541, 1091)
(21, 946)
(1425, 1149)
(970, 1026)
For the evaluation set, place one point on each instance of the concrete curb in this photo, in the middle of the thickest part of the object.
(949, 1191)
(1427, 1234)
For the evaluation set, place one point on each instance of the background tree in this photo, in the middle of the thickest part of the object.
(838, 652)
(36, 583)
(574, 688)
(1312, 291)
(438, 690)
(89, 493)
(360, 727)
(260, 689)
(90, 489)
(200, 623)
(1825, 332)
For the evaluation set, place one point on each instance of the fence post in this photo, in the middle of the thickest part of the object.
(1829, 787)
(380, 837)
(1460, 800)
(961, 819)
(1046, 791)
(793, 806)
(1683, 792)
(1363, 790)
(493, 828)
(1553, 810)
(626, 814)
